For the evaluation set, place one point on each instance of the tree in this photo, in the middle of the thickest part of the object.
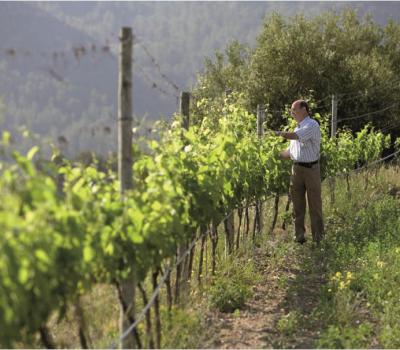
(297, 57)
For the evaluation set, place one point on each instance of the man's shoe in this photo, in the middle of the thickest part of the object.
(301, 240)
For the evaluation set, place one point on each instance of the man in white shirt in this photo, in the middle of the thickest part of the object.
(306, 179)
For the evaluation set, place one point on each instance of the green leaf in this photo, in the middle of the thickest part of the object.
(23, 274)
(31, 153)
(109, 249)
(6, 138)
(88, 254)
(134, 235)
(42, 255)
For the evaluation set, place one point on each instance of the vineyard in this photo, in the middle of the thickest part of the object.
(183, 236)
(60, 242)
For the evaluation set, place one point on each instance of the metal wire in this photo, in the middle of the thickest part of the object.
(368, 114)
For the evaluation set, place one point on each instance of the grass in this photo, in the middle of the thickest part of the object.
(232, 285)
(358, 307)
(185, 328)
(288, 323)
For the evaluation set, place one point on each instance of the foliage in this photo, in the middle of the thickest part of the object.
(232, 285)
(346, 338)
(361, 253)
(329, 54)
(288, 324)
(183, 328)
(56, 245)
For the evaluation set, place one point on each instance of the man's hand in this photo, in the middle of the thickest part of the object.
(273, 132)
(285, 154)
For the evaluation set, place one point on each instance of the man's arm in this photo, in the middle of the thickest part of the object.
(287, 135)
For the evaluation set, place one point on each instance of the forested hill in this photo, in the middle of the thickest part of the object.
(181, 34)
(75, 96)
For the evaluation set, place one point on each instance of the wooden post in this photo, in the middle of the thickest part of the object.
(260, 134)
(214, 243)
(125, 111)
(229, 222)
(182, 272)
(188, 261)
(260, 120)
(128, 286)
(276, 209)
(333, 135)
(334, 116)
(229, 226)
(184, 109)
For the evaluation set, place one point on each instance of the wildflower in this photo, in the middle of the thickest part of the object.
(337, 276)
(380, 264)
(188, 148)
(349, 275)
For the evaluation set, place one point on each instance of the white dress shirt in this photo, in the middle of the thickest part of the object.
(306, 148)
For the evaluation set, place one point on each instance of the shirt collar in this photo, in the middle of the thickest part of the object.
(307, 117)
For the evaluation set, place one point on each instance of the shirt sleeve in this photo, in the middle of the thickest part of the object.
(307, 132)
(290, 153)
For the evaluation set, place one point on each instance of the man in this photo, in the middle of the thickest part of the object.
(304, 151)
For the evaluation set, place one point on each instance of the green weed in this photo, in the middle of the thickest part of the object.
(182, 330)
(363, 267)
(232, 285)
(337, 337)
(288, 324)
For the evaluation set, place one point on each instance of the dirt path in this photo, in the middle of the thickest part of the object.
(279, 313)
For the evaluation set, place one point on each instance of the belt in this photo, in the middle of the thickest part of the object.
(307, 165)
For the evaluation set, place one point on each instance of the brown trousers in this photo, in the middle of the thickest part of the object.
(307, 180)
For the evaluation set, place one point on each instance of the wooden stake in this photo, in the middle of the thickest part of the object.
(214, 243)
(182, 271)
(260, 134)
(276, 209)
(128, 286)
(334, 116)
(333, 135)
(229, 222)
(157, 310)
(184, 110)
(149, 333)
(125, 111)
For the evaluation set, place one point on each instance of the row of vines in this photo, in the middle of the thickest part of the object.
(57, 244)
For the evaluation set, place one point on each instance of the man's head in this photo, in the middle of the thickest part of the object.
(299, 110)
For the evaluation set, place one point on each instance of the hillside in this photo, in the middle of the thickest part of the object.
(67, 95)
